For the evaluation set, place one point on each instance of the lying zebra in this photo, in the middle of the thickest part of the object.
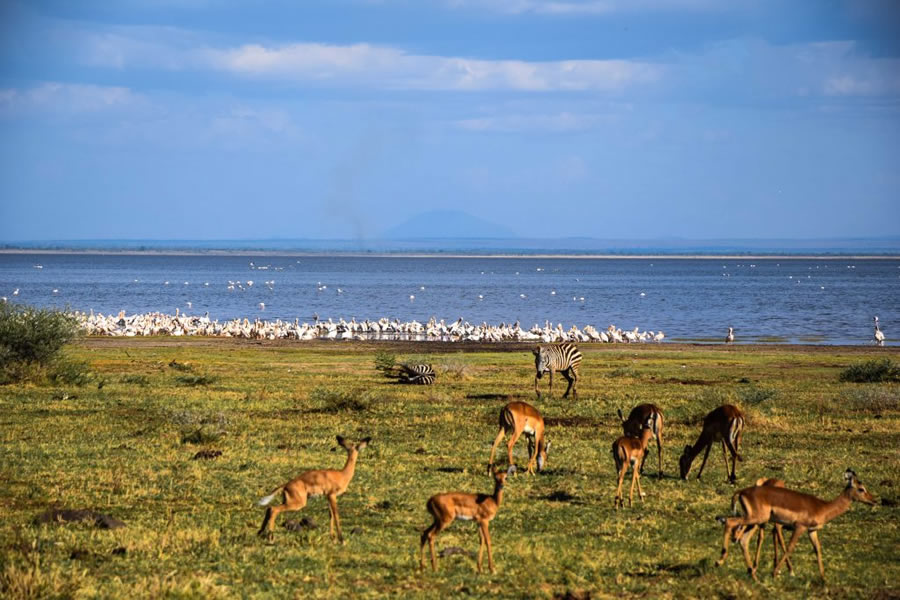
(418, 374)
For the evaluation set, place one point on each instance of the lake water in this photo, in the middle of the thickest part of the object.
(822, 301)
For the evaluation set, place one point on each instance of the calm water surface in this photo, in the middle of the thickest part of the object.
(830, 301)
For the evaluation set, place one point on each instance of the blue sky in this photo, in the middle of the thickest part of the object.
(219, 119)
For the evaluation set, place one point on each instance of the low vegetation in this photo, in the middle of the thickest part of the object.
(183, 465)
(872, 371)
(31, 344)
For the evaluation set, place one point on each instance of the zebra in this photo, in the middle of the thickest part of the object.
(418, 374)
(564, 358)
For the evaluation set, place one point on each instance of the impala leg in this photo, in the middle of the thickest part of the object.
(734, 458)
(659, 451)
(759, 543)
(640, 490)
(618, 500)
(332, 504)
(497, 441)
(814, 538)
(725, 458)
(635, 469)
(293, 500)
(487, 539)
(730, 525)
(509, 447)
(532, 454)
(745, 548)
(703, 464)
(426, 536)
(798, 531)
(779, 539)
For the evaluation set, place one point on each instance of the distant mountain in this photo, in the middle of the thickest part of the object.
(447, 224)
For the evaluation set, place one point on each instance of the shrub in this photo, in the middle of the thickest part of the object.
(871, 371)
(385, 361)
(195, 380)
(31, 340)
(756, 395)
(871, 399)
(141, 380)
(333, 401)
(453, 366)
(72, 372)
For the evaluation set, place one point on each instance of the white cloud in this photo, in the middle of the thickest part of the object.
(592, 7)
(563, 122)
(67, 98)
(390, 68)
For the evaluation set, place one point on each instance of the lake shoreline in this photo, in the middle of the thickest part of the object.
(455, 255)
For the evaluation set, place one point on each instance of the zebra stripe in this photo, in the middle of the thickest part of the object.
(564, 357)
(417, 374)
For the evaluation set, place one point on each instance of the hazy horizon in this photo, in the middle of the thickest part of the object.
(751, 119)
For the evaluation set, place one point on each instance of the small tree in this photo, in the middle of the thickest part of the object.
(32, 338)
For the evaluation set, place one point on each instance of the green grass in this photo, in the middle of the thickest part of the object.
(126, 450)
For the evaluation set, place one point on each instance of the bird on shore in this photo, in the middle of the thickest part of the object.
(730, 337)
(879, 335)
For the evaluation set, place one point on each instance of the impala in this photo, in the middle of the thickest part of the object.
(725, 423)
(803, 512)
(326, 482)
(627, 451)
(633, 425)
(740, 531)
(465, 507)
(517, 418)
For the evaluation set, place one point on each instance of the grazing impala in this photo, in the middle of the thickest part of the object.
(627, 451)
(328, 483)
(517, 418)
(803, 512)
(465, 507)
(725, 423)
(633, 425)
(740, 531)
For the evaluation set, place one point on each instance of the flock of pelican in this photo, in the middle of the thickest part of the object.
(383, 329)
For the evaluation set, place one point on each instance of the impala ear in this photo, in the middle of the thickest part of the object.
(363, 443)
(511, 470)
(849, 475)
(341, 441)
(621, 417)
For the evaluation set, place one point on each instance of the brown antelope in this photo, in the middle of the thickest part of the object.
(725, 423)
(465, 507)
(740, 531)
(517, 418)
(633, 425)
(627, 451)
(803, 512)
(326, 482)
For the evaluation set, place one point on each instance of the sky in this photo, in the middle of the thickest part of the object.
(345, 119)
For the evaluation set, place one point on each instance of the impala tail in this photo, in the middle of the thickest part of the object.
(270, 497)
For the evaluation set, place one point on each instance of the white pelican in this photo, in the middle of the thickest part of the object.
(730, 337)
(879, 335)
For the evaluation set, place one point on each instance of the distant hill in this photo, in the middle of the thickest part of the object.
(447, 224)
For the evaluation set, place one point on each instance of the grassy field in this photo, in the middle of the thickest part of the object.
(124, 445)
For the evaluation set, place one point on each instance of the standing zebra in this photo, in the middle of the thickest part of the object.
(419, 374)
(564, 358)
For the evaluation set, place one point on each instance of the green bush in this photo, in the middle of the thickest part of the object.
(333, 401)
(385, 361)
(31, 340)
(195, 380)
(871, 371)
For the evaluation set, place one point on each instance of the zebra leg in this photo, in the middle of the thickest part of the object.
(571, 381)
